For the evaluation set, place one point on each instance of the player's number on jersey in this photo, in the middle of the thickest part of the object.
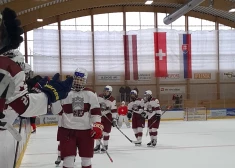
(25, 100)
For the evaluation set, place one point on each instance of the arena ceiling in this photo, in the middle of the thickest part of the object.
(53, 10)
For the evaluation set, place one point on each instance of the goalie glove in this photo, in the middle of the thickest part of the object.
(97, 130)
(10, 31)
(56, 89)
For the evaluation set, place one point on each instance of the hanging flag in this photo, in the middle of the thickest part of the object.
(185, 52)
(160, 54)
(130, 57)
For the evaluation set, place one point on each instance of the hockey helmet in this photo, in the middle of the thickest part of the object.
(107, 91)
(147, 95)
(79, 79)
(123, 103)
(133, 95)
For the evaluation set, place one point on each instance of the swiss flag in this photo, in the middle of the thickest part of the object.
(160, 54)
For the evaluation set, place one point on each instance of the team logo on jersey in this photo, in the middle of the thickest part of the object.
(135, 107)
(78, 106)
(149, 108)
(7, 85)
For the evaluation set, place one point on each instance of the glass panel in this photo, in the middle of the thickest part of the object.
(208, 25)
(30, 47)
(194, 23)
(68, 27)
(30, 35)
(101, 28)
(68, 22)
(83, 28)
(85, 20)
(147, 27)
(147, 18)
(132, 18)
(160, 17)
(128, 28)
(116, 18)
(101, 19)
(223, 27)
(115, 28)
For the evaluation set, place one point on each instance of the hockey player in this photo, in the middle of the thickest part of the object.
(122, 115)
(80, 109)
(58, 160)
(135, 107)
(109, 116)
(153, 112)
(13, 90)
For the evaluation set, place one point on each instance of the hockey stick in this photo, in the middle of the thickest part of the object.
(17, 145)
(121, 131)
(156, 120)
(12, 130)
(105, 151)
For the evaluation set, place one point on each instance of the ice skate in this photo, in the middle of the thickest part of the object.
(104, 149)
(57, 162)
(97, 149)
(152, 143)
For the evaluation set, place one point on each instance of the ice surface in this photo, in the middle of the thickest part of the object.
(181, 144)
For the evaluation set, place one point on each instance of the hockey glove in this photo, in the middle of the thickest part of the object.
(143, 114)
(56, 89)
(129, 115)
(10, 31)
(97, 130)
(114, 122)
(158, 117)
(40, 84)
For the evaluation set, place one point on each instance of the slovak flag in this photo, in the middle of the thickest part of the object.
(130, 57)
(160, 54)
(185, 52)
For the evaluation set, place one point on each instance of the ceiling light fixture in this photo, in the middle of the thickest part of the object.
(148, 2)
(232, 10)
(182, 11)
(39, 20)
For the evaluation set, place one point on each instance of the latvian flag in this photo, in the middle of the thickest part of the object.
(160, 54)
(130, 57)
(185, 52)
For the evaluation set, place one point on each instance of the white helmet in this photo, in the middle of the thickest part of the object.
(147, 95)
(17, 57)
(133, 95)
(107, 91)
(79, 79)
(123, 103)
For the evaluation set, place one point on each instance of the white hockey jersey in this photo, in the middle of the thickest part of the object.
(108, 105)
(136, 106)
(13, 78)
(80, 109)
(152, 107)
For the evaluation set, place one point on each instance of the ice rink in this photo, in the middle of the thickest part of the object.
(193, 144)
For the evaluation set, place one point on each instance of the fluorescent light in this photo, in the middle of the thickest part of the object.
(182, 11)
(148, 2)
(39, 20)
(232, 10)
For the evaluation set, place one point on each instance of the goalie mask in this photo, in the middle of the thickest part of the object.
(79, 79)
(133, 95)
(107, 91)
(147, 95)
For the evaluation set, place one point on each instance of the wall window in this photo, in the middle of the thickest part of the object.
(194, 24)
(208, 25)
(147, 20)
(161, 24)
(132, 21)
(101, 22)
(68, 24)
(83, 23)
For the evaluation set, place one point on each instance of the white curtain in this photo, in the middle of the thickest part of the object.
(109, 53)
(204, 51)
(46, 52)
(227, 50)
(76, 51)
